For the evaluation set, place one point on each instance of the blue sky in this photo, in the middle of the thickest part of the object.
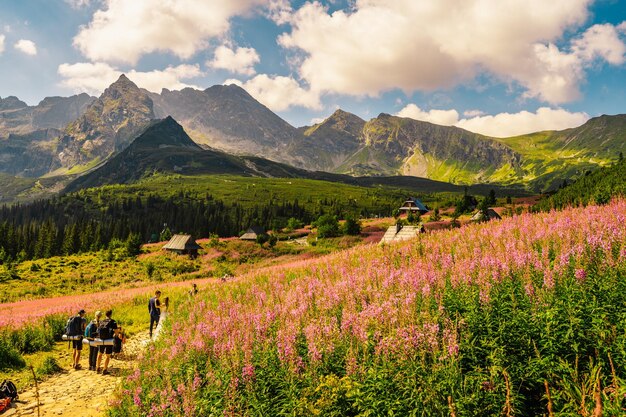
(498, 67)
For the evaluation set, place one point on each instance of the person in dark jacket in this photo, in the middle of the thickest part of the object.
(154, 307)
(107, 330)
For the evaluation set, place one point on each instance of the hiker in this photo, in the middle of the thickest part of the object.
(154, 307)
(106, 331)
(91, 332)
(118, 340)
(75, 328)
(194, 290)
(164, 310)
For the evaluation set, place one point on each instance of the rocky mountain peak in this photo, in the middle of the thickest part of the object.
(11, 103)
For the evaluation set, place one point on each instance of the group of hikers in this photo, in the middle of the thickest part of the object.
(106, 337)
(110, 335)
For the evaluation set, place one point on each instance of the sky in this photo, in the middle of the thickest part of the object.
(496, 67)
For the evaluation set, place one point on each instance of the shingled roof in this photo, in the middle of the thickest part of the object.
(181, 242)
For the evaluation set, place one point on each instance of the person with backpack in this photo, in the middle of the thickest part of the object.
(91, 332)
(107, 330)
(154, 307)
(74, 329)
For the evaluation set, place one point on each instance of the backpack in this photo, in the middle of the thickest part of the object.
(91, 330)
(104, 331)
(74, 326)
(8, 390)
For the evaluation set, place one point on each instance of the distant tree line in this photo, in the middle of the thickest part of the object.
(594, 187)
(79, 223)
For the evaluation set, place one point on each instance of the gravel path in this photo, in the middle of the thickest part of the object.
(79, 393)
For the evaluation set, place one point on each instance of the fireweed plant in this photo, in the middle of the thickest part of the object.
(524, 316)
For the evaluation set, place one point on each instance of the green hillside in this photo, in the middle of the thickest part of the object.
(596, 187)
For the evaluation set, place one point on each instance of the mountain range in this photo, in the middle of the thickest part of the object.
(74, 135)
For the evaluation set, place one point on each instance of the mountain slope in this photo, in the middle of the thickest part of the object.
(165, 147)
(16, 117)
(226, 117)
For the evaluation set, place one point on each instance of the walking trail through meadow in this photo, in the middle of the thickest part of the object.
(81, 392)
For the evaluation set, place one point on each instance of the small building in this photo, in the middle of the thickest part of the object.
(398, 233)
(252, 233)
(413, 205)
(485, 216)
(183, 245)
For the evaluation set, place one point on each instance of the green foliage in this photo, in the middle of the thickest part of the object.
(262, 238)
(9, 356)
(597, 187)
(49, 366)
(465, 205)
(351, 227)
(166, 234)
(435, 216)
(327, 226)
(133, 244)
(294, 223)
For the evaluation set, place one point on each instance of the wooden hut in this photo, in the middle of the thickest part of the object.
(398, 232)
(183, 245)
(413, 205)
(252, 233)
(485, 216)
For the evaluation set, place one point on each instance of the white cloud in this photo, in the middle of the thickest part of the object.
(381, 45)
(2, 37)
(25, 46)
(440, 117)
(240, 61)
(502, 124)
(513, 124)
(473, 113)
(123, 31)
(77, 4)
(279, 11)
(95, 77)
(600, 41)
(279, 93)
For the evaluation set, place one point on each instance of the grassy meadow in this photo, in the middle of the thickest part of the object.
(525, 316)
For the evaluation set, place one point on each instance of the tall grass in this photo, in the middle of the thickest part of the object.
(520, 317)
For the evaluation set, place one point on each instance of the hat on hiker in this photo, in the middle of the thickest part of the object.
(81, 311)
(98, 313)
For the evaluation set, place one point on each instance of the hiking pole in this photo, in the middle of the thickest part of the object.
(36, 389)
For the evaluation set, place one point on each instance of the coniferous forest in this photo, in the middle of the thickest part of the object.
(78, 223)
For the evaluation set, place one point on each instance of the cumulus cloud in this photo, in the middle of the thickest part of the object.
(95, 77)
(2, 37)
(380, 45)
(240, 60)
(279, 93)
(26, 47)
(513, 124)
(123, 31)
(440, 117)
(602, 42)
(502, 124)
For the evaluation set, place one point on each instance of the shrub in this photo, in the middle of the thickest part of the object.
(49, 366)
(10, 358)
(351, 227)
(327, 226)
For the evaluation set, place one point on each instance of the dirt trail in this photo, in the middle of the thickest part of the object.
(82, 392)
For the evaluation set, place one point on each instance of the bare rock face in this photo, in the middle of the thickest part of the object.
(110, 123)
(227, 118)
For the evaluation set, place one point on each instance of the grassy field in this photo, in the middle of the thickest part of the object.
(518, 317)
